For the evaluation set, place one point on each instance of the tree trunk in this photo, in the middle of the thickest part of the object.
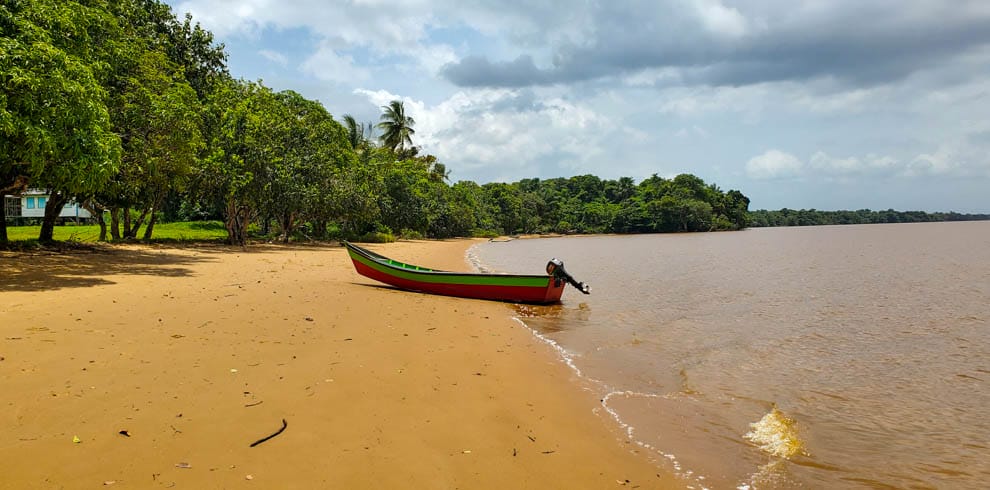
(236, 223)
(3, 218)
(97, 210)
(115, 223)
(320, 229)
(16, 185)
(286, 223)
(52, 209)
(127, 221)
(159, 201)
(151, 224)
(132, 233)
(230, 223)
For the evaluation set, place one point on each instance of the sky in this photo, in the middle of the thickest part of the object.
(824, 104)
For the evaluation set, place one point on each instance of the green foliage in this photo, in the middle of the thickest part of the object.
(376, 237)
(410, 234)
(478, 233)
(814, 217)
(54, 127)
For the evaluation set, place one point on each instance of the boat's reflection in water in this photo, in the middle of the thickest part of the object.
(550, 319)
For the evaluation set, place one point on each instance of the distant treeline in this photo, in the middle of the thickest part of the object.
(412, 199)
(813, 217)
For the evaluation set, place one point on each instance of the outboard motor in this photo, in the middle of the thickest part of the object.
(556, 269)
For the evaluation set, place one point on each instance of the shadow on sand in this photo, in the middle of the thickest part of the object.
(49, 270)
(94, 265)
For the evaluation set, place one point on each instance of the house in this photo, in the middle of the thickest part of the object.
(31, 206)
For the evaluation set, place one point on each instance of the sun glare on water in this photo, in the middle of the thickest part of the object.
(776, 434)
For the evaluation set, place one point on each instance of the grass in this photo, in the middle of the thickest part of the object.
(164, 232)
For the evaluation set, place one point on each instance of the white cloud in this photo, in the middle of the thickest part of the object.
(750, 101)
(400, 28)
(471, 125)
(326, 64)
(226, 17)
(957, 158)
(721, 20)
(694, 131)
(871, 164)
(275, 57)
(773, 164)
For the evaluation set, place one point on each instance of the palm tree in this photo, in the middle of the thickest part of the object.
(396, 126)
(439, 172)
(355, 131)
(359, 134)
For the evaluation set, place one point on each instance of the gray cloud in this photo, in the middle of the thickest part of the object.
(475, 71)
(859, 43)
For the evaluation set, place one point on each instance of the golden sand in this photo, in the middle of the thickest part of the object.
(166, 364)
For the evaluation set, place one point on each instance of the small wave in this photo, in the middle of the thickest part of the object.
(687, 474)
(565, 356)
(568, 359)
(776, 434)
(472, 257)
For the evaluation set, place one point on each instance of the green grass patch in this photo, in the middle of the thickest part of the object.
(190, 231)
(376, 237)
(164, 232)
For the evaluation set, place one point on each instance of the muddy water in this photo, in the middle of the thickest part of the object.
(819, 357)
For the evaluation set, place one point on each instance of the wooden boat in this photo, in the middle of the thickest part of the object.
(537, 289)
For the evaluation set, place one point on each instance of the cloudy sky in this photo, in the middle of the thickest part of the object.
(827, 104)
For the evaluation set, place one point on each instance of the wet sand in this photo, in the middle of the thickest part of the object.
(167, 363)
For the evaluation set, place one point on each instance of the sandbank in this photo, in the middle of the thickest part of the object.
(166, 364)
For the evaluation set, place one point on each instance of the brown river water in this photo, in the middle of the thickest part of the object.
(818, 357)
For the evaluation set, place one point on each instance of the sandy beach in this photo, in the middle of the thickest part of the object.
(166, 364)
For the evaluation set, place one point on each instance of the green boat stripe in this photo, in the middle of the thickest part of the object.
(453, 277)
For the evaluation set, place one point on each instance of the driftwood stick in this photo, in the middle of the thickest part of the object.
(263, 439)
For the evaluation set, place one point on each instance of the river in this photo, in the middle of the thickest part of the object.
(817, 357)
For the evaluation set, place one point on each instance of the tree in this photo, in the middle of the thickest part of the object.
(406, 196)
(736, 209)
(471, 209)
(506, 204)
(359, 135)
(397, 127)
(620, 190)
(53, 119)
(158, 114)
(311, 152)
(239, 151)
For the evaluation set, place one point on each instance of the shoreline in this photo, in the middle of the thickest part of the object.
(197, 352)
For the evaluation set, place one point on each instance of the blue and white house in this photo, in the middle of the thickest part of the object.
(32, 205)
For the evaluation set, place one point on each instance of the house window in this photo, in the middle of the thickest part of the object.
(30, 203)
(41, 202)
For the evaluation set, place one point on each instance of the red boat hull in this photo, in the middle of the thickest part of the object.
(521, 294)
(498, 287)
